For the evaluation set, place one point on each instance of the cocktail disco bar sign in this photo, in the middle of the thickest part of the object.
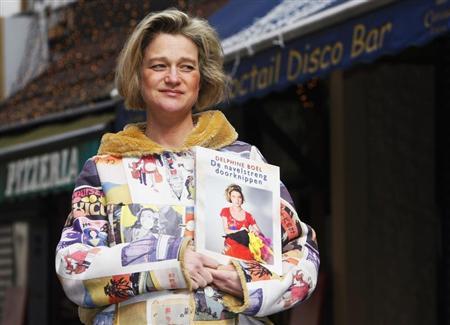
(363, 39)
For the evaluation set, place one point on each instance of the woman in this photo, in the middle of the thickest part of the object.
(239, 226)
(171, 64)
(146, 223)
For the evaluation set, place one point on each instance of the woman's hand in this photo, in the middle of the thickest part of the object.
(199, 268)
(226, 279)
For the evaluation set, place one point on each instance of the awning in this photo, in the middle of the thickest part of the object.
(269, 45)
(55, 132)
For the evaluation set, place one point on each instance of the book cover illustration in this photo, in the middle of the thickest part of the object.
(237, 209)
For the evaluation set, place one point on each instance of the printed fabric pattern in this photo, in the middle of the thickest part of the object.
(120, 256)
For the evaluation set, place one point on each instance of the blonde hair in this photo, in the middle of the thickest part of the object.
(235, 188)
(175, 22)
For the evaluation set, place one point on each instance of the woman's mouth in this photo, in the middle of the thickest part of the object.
(172, 92)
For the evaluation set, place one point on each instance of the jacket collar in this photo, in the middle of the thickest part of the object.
(212, 130)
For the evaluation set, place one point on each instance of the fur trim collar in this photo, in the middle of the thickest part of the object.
(212, 130)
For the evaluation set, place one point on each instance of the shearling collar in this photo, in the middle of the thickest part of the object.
(212, 130)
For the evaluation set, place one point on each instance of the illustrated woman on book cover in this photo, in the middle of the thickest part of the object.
(243, 238)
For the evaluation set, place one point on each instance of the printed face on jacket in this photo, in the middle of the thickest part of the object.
(148, 219)
(170, 74)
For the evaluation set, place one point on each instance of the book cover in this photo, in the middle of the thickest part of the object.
(237, 209)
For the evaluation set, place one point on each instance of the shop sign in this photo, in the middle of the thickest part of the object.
(41, 172)
(362, 39)
(44, 172)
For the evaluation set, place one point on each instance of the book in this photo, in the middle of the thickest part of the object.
(237, 212)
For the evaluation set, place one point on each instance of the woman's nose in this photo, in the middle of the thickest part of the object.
(172, 76)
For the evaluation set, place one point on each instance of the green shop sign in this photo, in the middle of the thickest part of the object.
(42, 173)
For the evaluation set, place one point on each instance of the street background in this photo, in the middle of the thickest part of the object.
(350, 98)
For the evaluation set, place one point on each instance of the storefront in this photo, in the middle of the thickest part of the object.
(344, 96)
(36, 180)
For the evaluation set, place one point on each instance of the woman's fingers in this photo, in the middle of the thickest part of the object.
(199, 260)
(228, 267)
(228, 281)
(215, 274)
(201, 279)
(194, 284)
(221, 275)
(209, 262)
(206, 275)
(198, 266)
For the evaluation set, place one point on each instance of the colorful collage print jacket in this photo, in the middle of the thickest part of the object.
(120, 257)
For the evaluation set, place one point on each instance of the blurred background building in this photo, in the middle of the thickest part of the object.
(348, 97)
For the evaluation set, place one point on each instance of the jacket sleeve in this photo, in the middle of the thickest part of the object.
(266, 293)
(95, 272)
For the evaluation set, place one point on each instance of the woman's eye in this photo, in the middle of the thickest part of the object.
(187, 68)
(158, 67)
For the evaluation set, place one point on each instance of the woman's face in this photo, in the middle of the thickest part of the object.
(148, 219)
(236, 198)
(170, 75)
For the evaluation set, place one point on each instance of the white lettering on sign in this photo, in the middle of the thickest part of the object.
(42, 172)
